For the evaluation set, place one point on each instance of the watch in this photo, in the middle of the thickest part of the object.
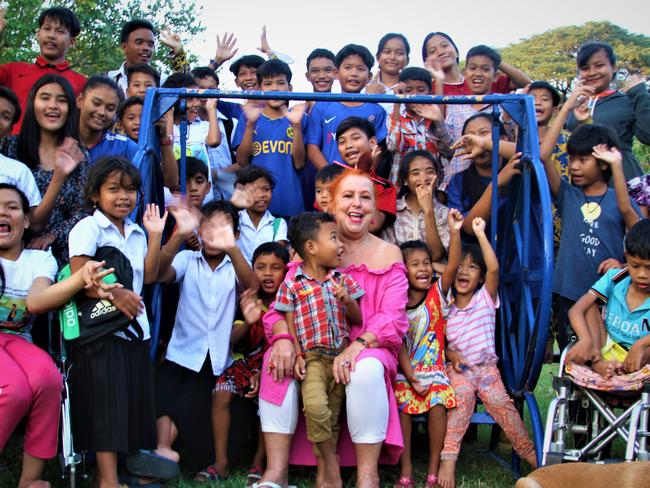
(361, 340)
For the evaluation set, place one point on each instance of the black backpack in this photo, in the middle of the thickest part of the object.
(84, 319)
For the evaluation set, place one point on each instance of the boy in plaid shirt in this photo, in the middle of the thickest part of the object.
(318, 302)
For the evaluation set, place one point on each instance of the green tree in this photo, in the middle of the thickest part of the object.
(551, 56)
(97, 48)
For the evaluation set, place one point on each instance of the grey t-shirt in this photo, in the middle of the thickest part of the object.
(592, 231)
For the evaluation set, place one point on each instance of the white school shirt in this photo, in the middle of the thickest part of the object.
(97, 231)
(16, 173)
(251, 237)
(205, 313)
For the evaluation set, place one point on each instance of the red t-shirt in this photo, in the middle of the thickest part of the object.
(500, 85)
(21, 76)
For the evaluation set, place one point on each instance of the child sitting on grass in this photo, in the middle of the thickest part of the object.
(318, 303)
(471, 351)
(422, 386)
(623, 344)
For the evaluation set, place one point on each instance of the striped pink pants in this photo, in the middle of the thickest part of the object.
(484, 381)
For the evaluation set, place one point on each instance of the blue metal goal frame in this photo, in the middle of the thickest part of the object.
(524, 247)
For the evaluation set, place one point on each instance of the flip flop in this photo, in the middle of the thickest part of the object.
(148, 464)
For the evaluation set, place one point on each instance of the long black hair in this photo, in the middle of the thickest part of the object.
(29, 139)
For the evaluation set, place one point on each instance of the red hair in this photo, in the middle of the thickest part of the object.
(334, 188)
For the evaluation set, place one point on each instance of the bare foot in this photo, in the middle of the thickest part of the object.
(447, 473)
(606, 369)
(168, 453)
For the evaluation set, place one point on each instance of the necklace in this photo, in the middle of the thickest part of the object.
(592, 210)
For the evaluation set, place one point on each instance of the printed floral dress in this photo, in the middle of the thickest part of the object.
(425, 341)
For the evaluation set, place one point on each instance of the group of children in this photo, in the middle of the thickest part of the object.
(69, 185)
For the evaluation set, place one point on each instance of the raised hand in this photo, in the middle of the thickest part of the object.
(152, 221)
(67, 156)
(250, 306)
(93, 273)
(225, 48)
(579, 96)
(264, 43)
(610, 155)
(375, 87)
(428, 111)
(470, 146)
(217, 234)
(432, 65)
(171, 40)
(295, 115)
(242, 196)
(252, 112)
(211, 105)
(188, 219)
(455, 220)
(510, 170)
(341, 292)
(478, 226)
(424, 195)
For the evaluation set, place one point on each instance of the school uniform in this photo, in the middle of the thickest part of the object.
(111, 378)
(250, 237)
(199, 348)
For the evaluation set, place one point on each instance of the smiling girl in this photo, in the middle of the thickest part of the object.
(47, 145)
(625, 111)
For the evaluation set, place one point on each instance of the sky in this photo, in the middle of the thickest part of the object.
(297, 27)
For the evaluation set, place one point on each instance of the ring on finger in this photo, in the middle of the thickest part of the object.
(346, 363)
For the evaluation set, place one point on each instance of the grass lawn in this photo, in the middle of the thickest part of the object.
(476, 469)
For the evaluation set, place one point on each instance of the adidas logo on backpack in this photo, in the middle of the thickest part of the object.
(102, 307)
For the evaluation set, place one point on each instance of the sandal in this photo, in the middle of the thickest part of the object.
(147, 464)
(254, 475)
(405, 482)
(432, 481)
(209, 474)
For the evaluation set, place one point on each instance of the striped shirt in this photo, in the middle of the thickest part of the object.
(470, 330)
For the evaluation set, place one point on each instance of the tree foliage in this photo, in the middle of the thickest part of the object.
(97, 48)
(551, 56)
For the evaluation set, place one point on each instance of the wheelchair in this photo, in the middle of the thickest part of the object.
(582, 423)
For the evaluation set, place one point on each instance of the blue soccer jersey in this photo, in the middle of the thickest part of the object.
(113, 145)
(271, 150)
(325, 118)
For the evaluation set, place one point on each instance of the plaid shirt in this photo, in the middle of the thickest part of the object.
(409, 134)
(410, 226)
(456, 117)
(319, 318)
